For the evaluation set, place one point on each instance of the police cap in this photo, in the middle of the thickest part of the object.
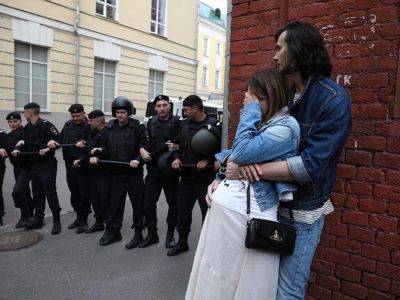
(160, 97)
(95, 114)
(13, 116)
(76, 108)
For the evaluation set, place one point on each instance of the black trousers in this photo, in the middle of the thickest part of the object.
(99, 190)
(156, 181)
(21, 190)
(43, 175)
(2, 172)
(78, 187)
(191, 188)
(122, 184)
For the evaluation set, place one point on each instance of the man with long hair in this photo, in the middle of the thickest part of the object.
(323, 111)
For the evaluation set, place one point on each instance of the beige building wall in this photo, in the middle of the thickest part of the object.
(213, 61)
(134, 48)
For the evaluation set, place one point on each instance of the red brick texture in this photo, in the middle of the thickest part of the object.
(359, 253)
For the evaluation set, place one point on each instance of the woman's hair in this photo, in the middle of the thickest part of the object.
(269, 85)
(306, 49)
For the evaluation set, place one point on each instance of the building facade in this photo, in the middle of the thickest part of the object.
(60, 52)
(211, 53)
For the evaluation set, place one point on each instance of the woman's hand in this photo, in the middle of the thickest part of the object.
(211, 188)
(249, 98)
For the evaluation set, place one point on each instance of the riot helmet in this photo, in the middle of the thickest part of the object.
(206, 141)
(123, 102)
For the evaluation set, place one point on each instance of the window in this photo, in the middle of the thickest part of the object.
(104, 84)
(31, 75)
(107, 8)
(219, 46)
(156, 83)
(205, 76)
(217, 79)
(158, 20)
(205, 49)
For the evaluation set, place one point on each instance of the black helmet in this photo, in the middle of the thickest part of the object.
(123, 102)
(206, 141)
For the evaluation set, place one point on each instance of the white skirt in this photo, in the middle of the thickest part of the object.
(224, 268)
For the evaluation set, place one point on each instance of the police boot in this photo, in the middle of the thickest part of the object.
(1, 219)
(151, 238)
(105, 235)
(181, 246)
(170, 240)
(97, 226)
(35, 223)
(82, 224)
(23, 220)
(56, 224)
(136, 240)
(114, 235)
(74, 224)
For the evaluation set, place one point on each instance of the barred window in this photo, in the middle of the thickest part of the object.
(31, 75)
(156, 83)
(158, 22)
(104, 84)
(107, 8)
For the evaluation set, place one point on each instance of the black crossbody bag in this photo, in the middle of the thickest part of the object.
(270, 235)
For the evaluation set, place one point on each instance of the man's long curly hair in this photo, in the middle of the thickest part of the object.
(306, 50)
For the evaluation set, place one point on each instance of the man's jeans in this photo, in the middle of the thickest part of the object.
(295, 269)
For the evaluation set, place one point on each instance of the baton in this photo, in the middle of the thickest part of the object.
(114, 162)
(27, 153)
(64, 145)
(164, 146)
(188, 166)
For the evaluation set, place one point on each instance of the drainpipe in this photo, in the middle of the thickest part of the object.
(197, 48)
(225, 120)
(77, 51)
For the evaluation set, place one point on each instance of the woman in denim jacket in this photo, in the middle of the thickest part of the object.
(223, 268)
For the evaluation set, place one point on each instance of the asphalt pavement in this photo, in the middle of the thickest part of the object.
(74, 266)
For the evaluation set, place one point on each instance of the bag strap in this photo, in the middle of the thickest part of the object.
(248, 208)
(248, 203)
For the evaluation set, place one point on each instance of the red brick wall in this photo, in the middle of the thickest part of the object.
(359, 254)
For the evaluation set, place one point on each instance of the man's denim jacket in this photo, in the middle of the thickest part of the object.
(277, 139)
(324, 115)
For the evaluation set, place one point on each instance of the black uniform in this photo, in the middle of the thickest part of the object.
(158, 132)
(123, 145)
(42, 169)
(3, 137)
(76, 177)
(194, 183)
(20, 166)
(98, 176)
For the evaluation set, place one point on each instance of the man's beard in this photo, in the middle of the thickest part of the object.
(289, 69)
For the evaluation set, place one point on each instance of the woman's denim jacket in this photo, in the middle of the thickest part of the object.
(277, 139)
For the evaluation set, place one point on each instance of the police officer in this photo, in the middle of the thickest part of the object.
(160, 129)
(124, 142)
(20, 166)
(194, 181)
(3, 155)
(75, 130)
(42, 166)
(98, 177)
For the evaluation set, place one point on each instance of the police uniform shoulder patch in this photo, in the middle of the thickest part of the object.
(53, 130)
